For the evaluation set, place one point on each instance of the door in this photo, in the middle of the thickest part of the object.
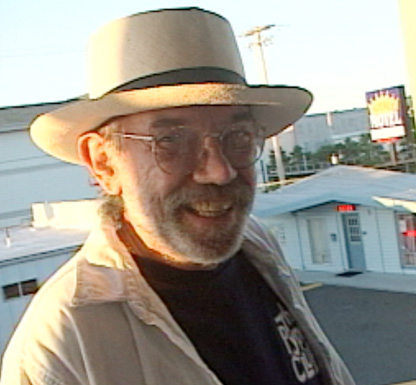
(354, 241)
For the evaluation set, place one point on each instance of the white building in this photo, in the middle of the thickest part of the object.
(342, 219)
(31, 254)
(315, 130)
(29, 175)
(378, 233)
(345, 219)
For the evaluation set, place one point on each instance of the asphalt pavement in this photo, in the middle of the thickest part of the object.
(371, 320)
(398, 283)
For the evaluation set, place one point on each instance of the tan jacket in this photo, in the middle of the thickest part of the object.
(97, 322)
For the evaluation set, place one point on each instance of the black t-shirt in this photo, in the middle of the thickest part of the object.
(238, 325)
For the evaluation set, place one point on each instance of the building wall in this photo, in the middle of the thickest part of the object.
(285, 228)
(28, 175)
(373, 231)
(389, 242)
(348, 124)
(38, 267)
(287, 140)
(379, 237)
(292, 233)
(326, 212)
(313, 131)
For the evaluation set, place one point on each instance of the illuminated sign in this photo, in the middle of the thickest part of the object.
(387, 113)
(345, 208)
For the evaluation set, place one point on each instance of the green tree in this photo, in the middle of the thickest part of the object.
(296, 155)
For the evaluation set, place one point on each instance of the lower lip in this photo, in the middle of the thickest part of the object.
(201, 220)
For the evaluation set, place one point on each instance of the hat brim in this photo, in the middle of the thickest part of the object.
(274, 107)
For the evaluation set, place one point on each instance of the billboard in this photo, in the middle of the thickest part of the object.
(387, 111)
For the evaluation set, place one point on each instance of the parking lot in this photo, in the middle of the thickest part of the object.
(373, 330)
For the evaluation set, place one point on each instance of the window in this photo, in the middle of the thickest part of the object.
(20, 289)
(407, 234)
(353, 229)
(29, 287)
(11, 291)
(319, 241)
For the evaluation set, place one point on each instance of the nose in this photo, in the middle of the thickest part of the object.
(213, 167)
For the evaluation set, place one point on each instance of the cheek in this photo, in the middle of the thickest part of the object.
(141, 176)
(249, 176)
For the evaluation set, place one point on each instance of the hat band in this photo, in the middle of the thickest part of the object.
(184, 76)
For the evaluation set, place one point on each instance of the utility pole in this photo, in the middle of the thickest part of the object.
(257, 46)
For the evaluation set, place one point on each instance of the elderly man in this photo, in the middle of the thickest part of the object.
(177, 285)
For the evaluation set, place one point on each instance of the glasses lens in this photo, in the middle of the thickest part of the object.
(176, 149)
(242, 144)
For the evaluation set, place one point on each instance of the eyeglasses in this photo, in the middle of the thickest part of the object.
(178, 149)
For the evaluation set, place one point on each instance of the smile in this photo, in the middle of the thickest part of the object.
(210, 209)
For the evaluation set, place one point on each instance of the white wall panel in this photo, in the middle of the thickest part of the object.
(335, 246)
(12, 309)
(284, 228)
(374, 253)
(28, 175)
(389, 241)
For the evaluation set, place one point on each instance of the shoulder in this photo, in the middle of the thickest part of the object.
(258, 234)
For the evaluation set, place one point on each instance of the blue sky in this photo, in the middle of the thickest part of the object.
(338, 49)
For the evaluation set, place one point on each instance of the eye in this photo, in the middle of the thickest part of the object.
(239, 139)
(169, 139)
(172, 141)
(169, 144)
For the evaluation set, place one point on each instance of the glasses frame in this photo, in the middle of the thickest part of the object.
(153, 139)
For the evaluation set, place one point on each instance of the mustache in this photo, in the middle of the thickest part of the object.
(238, 192)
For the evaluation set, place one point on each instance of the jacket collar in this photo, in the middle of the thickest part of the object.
(104, 268)
(107, 272)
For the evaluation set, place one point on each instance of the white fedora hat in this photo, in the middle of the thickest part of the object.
(163, 59)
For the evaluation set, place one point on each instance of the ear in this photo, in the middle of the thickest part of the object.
(95, 154)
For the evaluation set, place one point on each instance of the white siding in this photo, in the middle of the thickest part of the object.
(292, 233)
(14, 271)
(284, 228)
(389, 241)
(372, 236)
(32, 176)
(379, 235)
(335, 243)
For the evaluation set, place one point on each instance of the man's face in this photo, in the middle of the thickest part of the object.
(195, 213)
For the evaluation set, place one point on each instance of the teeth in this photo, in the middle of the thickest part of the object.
(211, 209)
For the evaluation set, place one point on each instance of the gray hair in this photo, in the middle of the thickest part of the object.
(107, 131)
(112, 206)
(111, 209)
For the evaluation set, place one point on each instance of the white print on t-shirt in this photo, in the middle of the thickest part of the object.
(303, 362)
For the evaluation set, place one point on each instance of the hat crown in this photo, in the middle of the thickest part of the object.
(164, 59)
(149, 44)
